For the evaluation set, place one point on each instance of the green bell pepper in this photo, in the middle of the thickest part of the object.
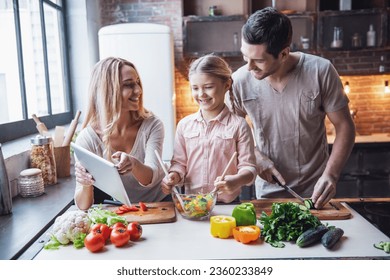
(245, 214)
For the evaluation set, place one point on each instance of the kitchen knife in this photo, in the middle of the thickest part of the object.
(118, 203)
(289, 190)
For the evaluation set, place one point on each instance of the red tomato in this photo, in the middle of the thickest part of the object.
(143, 206)
(94, 241)
(135, 231)
(119, 212)
(103, 229)
(118, 225)
(119, 237)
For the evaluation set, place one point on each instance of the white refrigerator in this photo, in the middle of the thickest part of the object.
(150, 47)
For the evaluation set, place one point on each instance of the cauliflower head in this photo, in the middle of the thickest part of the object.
(70, 225)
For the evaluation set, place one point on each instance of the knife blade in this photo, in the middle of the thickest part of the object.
(118, 203)
(288, 189)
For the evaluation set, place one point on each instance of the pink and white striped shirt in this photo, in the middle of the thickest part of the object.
(203, 149)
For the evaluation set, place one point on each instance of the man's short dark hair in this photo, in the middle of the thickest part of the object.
(268, 26)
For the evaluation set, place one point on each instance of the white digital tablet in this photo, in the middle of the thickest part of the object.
(104, 173)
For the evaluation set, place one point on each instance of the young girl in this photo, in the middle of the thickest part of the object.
(205, 141)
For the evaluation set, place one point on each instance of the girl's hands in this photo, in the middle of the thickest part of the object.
(169, 182)
(83, 177)
(124, 162)
(228, 185)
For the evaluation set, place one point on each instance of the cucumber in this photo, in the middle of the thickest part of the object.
(385, 246)
(330, 238)
(309, 203)
(311, 236)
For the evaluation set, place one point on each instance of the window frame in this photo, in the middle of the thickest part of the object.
(14, 130)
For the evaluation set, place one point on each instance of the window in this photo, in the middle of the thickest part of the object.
(33, 66)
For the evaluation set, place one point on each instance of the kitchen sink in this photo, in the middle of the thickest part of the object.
(377, 213)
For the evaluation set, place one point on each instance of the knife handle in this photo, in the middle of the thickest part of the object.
(112, 202)
(276, 180)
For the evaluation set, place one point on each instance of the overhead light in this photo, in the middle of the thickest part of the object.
(347, 89)
(387, 89)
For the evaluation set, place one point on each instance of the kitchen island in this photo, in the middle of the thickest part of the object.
(191, 240)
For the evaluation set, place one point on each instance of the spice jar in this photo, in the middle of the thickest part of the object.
(356, 40)
(30, 183)
(42, 157)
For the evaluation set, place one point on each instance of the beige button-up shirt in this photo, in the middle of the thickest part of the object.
(289, 125)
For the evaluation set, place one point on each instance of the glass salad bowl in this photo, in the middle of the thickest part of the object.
(196, 204)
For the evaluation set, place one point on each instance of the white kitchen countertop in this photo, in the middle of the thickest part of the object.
(186, 240)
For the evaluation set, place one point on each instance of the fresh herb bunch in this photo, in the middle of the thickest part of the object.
(286, 223)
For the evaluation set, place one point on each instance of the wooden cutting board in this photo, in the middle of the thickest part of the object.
(158, 212)
(333, 210)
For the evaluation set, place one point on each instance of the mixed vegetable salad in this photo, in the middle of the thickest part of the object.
(195, 205)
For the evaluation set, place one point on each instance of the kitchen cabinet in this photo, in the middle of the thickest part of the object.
(354, 36)
(304, 27)
(326, 15)
(367, 172)
(313, 26)
(210, 34)
(334, 5)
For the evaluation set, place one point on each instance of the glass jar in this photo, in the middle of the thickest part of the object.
(337, 38)
(356, 40)
(30, 183)
(42, 157)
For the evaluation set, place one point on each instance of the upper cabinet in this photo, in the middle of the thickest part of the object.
(215, 7)
(209, 34)
(325, 27)
(213, 26)
(334, 25)
(352, 29)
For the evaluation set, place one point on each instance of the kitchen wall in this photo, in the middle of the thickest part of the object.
(367, 91)
(370, 103)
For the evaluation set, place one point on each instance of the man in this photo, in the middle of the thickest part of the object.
(286, 97)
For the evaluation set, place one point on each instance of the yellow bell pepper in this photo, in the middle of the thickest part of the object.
(222, 226)
(246, 234)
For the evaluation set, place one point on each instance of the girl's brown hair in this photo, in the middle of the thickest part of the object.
(216, 66)
(105, 98)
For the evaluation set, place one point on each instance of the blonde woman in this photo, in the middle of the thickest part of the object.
(118, 128)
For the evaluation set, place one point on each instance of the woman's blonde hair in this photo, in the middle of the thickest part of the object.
(105, 98)
(216, 66)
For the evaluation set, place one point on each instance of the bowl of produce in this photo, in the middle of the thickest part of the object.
(196, 203)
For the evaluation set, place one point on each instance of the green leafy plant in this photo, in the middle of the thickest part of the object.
(286, 223)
